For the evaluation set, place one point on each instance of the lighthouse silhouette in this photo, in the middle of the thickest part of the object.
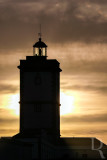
(39, 94)
(39, 135)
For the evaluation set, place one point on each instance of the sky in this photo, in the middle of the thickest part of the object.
(76, 34)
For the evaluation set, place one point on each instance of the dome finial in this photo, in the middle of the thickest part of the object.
(40, 48)
(40, 34)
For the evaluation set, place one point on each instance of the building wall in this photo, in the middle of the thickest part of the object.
(37, 86)
(39, 100)
(12, 150)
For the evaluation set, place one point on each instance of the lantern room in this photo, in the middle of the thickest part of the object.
(40, 48)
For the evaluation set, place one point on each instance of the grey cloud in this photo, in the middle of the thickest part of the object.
(56, 1)
(85, 75)
(60, 25)
(85, 66)
(98, 1)
(84, 118)
(8, 72)
(23, 1)
(19, 23)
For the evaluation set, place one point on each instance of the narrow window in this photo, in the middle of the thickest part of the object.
(37, 107)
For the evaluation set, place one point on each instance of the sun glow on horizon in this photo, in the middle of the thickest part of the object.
(67, 103)
(13, 104)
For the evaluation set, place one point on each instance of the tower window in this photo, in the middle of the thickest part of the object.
(37, 107)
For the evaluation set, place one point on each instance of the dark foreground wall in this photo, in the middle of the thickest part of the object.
(41, 149)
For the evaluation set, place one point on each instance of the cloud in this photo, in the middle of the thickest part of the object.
(6, 88)
(86, 88)
(8, 131)
(89, 125)
(83, 132)
(103, 2)
(8, 69)
(84, 118)
(84, 66)
(62, 22)
(5, 121)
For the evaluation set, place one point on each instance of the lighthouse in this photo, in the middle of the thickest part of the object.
(39, 94)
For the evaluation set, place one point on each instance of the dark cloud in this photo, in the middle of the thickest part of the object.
(84, 118)
(62, 22)
(103, 2)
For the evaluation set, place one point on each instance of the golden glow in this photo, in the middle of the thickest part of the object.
(13, 103)
(67, 103)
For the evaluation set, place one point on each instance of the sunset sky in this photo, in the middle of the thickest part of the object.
(76, 34)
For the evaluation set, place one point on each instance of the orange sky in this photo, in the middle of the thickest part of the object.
(76, 35)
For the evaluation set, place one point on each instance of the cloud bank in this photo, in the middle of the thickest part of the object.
(62, 21)
(84, 118)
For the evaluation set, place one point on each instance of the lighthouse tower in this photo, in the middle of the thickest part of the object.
(39, 94)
